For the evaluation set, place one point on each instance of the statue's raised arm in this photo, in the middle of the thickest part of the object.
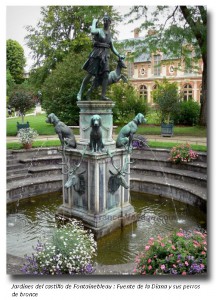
(94, 29)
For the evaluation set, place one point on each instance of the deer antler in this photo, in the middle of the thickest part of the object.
(75, 167)
(120, 171)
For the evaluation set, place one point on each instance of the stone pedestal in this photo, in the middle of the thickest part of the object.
(99, 207)
(104, 110)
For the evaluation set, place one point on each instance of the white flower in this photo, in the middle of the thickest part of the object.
(27, 135)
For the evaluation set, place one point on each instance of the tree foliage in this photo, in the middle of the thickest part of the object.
(127, 102)
(167, 98)
(10, 82)
(15, 60)
(173, 28)
(62, 29)
(59, 91)
(22, 99)
(60, 44)
(188, 113)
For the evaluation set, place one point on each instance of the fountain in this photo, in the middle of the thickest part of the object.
(96, 179)
(101, 201)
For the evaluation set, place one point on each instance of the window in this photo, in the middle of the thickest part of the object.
(143, 92)
(188, 93)
(171, 69)
(142, 71)
(157, 65)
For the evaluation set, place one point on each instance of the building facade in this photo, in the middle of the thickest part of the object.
(145, 70)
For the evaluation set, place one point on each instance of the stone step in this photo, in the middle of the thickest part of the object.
(32, 186)
(170, 173)
(35, 152)
(42, 160)
(18, 176)
(17, 171)
(162, 162)
(187, 192)
(16, 167)
(12, 161)
(162, 153)
(46, 169)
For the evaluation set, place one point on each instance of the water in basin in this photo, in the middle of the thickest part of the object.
(34, 219)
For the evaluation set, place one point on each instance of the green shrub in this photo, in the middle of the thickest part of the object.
(188, 113)
(127, 102)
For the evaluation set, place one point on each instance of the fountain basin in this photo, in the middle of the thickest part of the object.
(34, 219)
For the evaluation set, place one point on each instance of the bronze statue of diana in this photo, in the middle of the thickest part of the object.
(98, 62)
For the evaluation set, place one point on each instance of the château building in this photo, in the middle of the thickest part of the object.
(148, 68)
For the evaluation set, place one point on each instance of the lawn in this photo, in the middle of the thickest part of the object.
(151, 144)
(196, 131)
(38, 122)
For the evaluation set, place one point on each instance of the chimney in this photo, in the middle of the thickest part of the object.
(136, 33)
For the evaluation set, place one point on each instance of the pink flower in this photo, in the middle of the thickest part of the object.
(173, 247)
(149, 260)
(147, 248)
(137, 259)
(174, 266)
(162, 267)
(184, 273)
(150, 267)
(203, 252)
(162, 244)
(186, 263)
(179, 234)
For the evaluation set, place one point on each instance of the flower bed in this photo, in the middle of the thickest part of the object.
(181, 253)
(182, 154)
(70, 252)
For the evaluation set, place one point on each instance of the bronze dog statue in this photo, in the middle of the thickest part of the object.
(125, 136)
(96, 143)
(65, 134)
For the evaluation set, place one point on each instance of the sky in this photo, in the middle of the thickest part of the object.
(17, 17)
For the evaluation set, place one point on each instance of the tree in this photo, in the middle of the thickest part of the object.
(22, 99)
(127, 102)
(61, 29)
(167, 98)
(15, 60)
(59, 90)
(173, 29)
(10, 82)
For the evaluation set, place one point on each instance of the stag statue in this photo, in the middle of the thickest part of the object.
(75, 179)
(118, 179)
(114, 77)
